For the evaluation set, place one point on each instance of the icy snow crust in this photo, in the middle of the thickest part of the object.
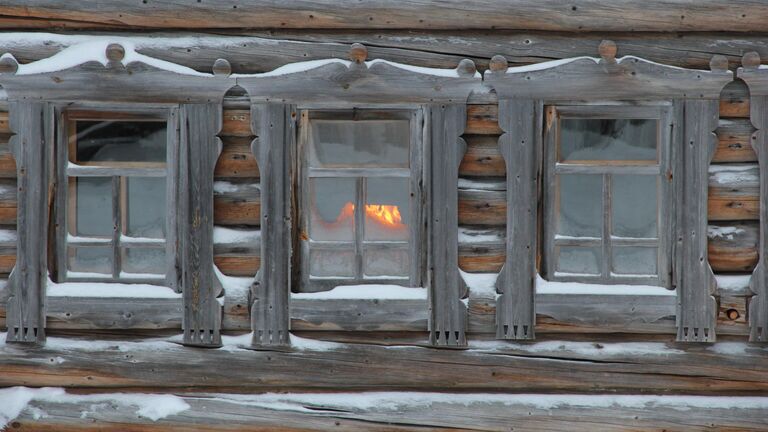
(366, 292)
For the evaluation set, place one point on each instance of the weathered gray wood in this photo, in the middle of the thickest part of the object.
(199, 149)
(697, 311)
(520, 147)
(447, 324)
(33, 124)
(359, 315)
(583, 15)
(93, 313)
(600, 365)
(757, 80)
(403, 411)
(275, 127)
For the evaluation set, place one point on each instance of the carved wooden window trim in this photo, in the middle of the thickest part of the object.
(113, 80)
(694, 97)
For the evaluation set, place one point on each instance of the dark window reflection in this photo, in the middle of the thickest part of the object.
(121, 141)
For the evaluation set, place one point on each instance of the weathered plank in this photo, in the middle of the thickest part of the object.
(583, 15)
(33, 124)
(448, 322)
(515, 315)
(275, 126)
(199, 149)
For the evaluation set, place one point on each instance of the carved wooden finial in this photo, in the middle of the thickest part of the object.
(718, 63)
(115, 52)
(498, 63)
(751, 60)
(8, 64)
(466, 68)
(221, 67)
(358, 53)
(607, 50)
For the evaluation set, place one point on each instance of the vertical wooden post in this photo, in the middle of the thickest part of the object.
(697, 311)
(447, 324)
(515, 312)
(199, 149)
(33, 124)
(758, 305)
(274, 126)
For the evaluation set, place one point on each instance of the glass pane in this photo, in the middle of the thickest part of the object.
(91, 260)
(332, 263)
(144, 260)
(634, 205)
(373, 143)
(332, 208)
(146, 207)
(93, 206)
(387, 209)
(120, 141)
(581, 205)
(608, 139)
(579, 260)
(635, 260)
(386, 262)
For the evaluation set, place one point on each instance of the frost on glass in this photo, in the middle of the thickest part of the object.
(580, 210)
(608, 139)
(90, 260)
(332, 209)
(635, 260)
(634, 207)
(386, 262)
(143, 260)
(362, 143)
(332, 263)
(387, 209)
(146, 207)
(579, 260)
(120, 141)
(93, 201)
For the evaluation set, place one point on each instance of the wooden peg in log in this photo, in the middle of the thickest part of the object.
(498, 64)
(719, 63)
(221, 67)
(607, 50)
(8, 64)
(466, 68)
(115, 55)
(751, 60)
(358, 53)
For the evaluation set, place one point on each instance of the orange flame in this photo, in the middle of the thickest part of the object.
(386, 215)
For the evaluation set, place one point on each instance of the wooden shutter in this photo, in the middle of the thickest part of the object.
(275, 129)
(515, 313)
(447, 324)
(33, 124)
(198, 151)
(758, 305)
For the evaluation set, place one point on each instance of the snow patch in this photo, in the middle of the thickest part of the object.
(735, 283)
(7, 235)
(546, 287)
(447, 73)
(234, 286)
(586, 349)
(472, 235)
(733, 173)
(223, 235)
(110, 290)
(483, 284)
(221, 187)
(727, 232)
(365, 292)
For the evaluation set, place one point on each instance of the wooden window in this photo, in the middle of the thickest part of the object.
(606, 194)
(359, 198)
(114, 197)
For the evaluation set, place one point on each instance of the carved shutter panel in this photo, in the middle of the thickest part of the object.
(274, 126)
(199, 149)
(448, 313)
(758, 305)
(33, 124)
(515, 313)
(697, 312)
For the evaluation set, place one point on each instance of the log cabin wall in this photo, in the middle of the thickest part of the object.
(262, 37)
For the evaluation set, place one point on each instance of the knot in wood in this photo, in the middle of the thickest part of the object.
(466, 68)
(221, 67)
(115, 52)
(751, 60)
(607, 50)
(498, 64)
(358, 53)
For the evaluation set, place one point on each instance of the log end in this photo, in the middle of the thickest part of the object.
(221, 67)
(607, 50)
(466, 68)
(115, 52)
(8, 64)
(719, 63)
(358, 53)
(498, 64)
(751, 60)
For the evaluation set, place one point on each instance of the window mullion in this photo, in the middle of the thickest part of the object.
(359, 227)
(607, 257)
(117, 225)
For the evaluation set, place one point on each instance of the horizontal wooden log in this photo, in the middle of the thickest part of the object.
(395, 411)
(734, 192)
(583, 15)
(734, 138)
(236, 159)
(600, 365)
(734, 100)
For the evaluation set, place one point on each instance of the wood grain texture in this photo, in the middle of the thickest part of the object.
(582, 15)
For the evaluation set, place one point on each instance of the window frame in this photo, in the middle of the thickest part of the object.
(663, 169)
(415, 173)
(65, 168)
